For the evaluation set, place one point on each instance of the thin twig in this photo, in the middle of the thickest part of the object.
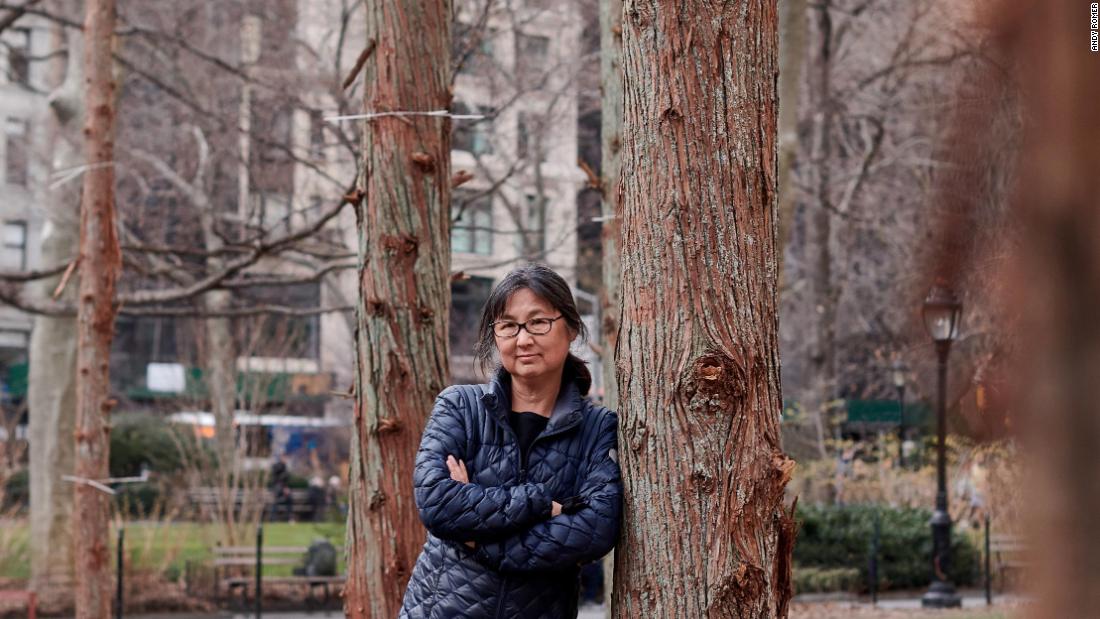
(87, 482)
(65, 278)
(367, 51)
(593, 178)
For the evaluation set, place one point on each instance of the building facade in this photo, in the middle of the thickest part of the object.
(22, 99)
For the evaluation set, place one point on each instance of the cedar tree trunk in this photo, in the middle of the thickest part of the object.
(100, 263)
(705, 531)
(1058, 287)
(404, 293)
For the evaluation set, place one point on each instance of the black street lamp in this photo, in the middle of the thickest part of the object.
(899, 383)
(942, 311)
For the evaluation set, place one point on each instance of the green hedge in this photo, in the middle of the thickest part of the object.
(840, 537)
(827, 579)
(17, 491)
(141, 439)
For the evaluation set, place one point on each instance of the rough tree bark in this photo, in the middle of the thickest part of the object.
(404, 286)
(52, 385)
(100, 263)
(611, 143)
(698, 354)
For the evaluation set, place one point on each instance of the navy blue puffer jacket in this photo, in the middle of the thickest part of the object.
(526, 563)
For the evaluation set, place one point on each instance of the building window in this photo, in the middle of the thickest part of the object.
(472, 223)
(536, 219)
(18, 46)
(472, 49)
(13, 246)
(473, 136)
(16, 135)
(276, 335)
(468, 297)
(528, 137)
(271, 212)
(531, 55)
(523, 135)
(272, 167)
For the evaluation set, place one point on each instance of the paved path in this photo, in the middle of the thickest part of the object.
(588, 612)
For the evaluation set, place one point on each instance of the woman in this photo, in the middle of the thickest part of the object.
(516, 481)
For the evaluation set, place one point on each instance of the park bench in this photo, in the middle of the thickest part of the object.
(1009, 554)
(27, 598)
(205, 501)
(242, 561)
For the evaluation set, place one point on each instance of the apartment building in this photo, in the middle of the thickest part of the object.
(516, 69)
(22, 125)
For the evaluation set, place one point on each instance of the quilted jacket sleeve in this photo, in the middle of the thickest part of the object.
(463, 512)
(567, 540)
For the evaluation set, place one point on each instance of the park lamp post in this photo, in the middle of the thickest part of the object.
(899, 383)
(942, 311)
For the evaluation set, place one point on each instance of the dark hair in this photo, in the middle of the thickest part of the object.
(548, 285)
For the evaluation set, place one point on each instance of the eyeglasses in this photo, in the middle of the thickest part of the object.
(535, 326)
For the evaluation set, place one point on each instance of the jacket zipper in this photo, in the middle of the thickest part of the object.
(522, 479)
(523, 461)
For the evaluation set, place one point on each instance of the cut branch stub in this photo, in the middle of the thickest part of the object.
(424, 161)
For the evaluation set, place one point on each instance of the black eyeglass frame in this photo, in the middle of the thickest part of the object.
(522, 326)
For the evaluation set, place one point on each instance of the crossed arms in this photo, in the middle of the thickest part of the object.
(515, 528)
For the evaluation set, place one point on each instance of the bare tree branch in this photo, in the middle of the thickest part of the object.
(362, 60)
(15, 13)
(241, 312)
(31, 274)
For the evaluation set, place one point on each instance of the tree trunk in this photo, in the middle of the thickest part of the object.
(221, 380)
(821, 380)
(52, 384)
(220, 353)
(792, 52)
(698, 353)
(1057, 287)
(100, 263)
(611, 139)
(220, 363)
(611, 142)
(404, 286)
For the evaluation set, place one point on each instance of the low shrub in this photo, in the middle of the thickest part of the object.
(144, 440)
(826, 579)
(16, 491)
(840, 537)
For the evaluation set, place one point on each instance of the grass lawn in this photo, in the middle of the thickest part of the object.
(166, 547)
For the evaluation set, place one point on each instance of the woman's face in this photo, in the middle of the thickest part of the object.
(533, 356)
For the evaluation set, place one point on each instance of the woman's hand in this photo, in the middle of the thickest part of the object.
(458, 473)
(458, 470)
(555, 509)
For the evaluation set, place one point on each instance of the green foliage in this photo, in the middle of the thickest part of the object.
(17, 490)
(138, 499)
(138, 439)
(827, 579)
(173, 573)
(840, 537)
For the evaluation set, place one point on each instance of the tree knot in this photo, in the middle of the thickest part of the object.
(424, 161)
